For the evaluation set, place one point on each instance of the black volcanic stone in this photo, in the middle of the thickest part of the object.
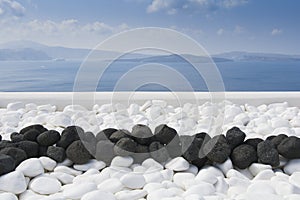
(36, 127)
(6, 143)
(267, 154)
(17, 154)
(0, 137)
(142, 153)
(105, 151)
(158, 152)
(125, 147)
(164, 134)
(90, 142)
(77, 153)
(56, 153)
(278, 139)
(235, 137)
(107, 132)
(270, 137)
(142, 134)
(7, 164)
(290, 148)
(16, 137)
(203, 136)
(43, 150)
(48, 138)
(253, 142)
(69, 135)
(243, 156)
(174, 147)
(31, 135)
(217, 149)
(31, 148)
(119, 134)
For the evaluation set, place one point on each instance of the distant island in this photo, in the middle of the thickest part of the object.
(28, 50)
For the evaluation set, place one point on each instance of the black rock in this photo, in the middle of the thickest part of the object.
(16, 137)
(158, 152)
(290, 148)
(7, 164)
(90, 142)
(174, 147)
(203, 136)
(77, 153)
(267, 154)
(105, 151)
(56, 153)
(217, 149)
(6, 143)
(31, 135)
(31, 148)
(164, 134)
(107, 132)
(142, 153)
(43, 150)
(243, 156)
(69, 135)
(48, 138)
(17, 154)
(235, 137)
(253, 142)
(36, 127)
(125, 147)
(278, 139)
(142, 134)
(0, 137)
(119, 134)
(270, 137)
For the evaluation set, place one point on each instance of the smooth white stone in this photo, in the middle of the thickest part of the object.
(283, 188)
(13, 182)
(255, 168)
(167, 174)
(146, 105)
(261, 187)
(64, 178)
(153, 177)
(201, 189)
(234, 173)
(194, 197)
(234, 191)
(205, 175)
(92, 164)
(254, 196)
(264, 175)
(292, 197)
(47, 108)
(279, 122)
(99, 178)
(226, 166)
(98, 194)
(67, 170)
(76, 191)
(159, 194)
(120, 161)
(45, 185)
(292, 166)
(150, 187)
(150, 162)
(112, 185)
(48, 163)
(30, 106)
(15, 106)
(177, 164)
(221, 185)
(180, 178)
(66, 163)
(139, 169)
(246, 172)
(133, 180)
(295, 179)
(131, 194)
(192, 169)
(8, 196)
(235, 181)
(29, 194)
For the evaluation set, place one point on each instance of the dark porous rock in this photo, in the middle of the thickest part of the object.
(243, 156)
(164, 134)
(90, 142)
(77, 153)
(174, 147)
(56, 153)
(253, 142)
(203, 136)
(267, 154)
(37, 127)
(43, 150)
(142, 153)
(107, 132)
(119, 134)
(48, 138)
(125, 147)
(31, 148)
(16, 137)
(290, 148)
(235, 137)
(7, 164)
(6, 143)
(142, 134)
(270, 137)
(158, 152)
(17, 154)
(278, 139)
(0, 137)
(217, 149)
(105, 151)
(31, 135)
(69, 135)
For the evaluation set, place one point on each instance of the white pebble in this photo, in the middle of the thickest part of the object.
(8, 196)
(31, 167)
(45, 185)
(255, 168)
(48, 163)
(92, 164)
(177, 164)
(98, 194)
(133, 180)
(120, 161)
(292, 166)
(76, 191)
(112, 185)
(13, 182)
(295, 179)
(15, 106)
(130, 194)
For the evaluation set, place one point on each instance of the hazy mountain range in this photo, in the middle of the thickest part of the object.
(29, 50)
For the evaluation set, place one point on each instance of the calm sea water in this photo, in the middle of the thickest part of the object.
(59, 76)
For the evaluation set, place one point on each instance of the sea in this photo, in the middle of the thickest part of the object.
(62, 76)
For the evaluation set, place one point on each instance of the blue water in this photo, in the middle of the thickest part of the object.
(59, 76)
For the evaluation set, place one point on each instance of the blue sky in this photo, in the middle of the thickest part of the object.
(219, 25)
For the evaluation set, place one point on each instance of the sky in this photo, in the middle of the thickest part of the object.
(270, 26)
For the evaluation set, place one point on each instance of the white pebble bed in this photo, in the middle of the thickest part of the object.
(44, 179)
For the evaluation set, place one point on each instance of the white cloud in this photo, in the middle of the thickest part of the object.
(276, 31)
(157, 5)
(220, 31)
(11, 7)
(238, 29)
